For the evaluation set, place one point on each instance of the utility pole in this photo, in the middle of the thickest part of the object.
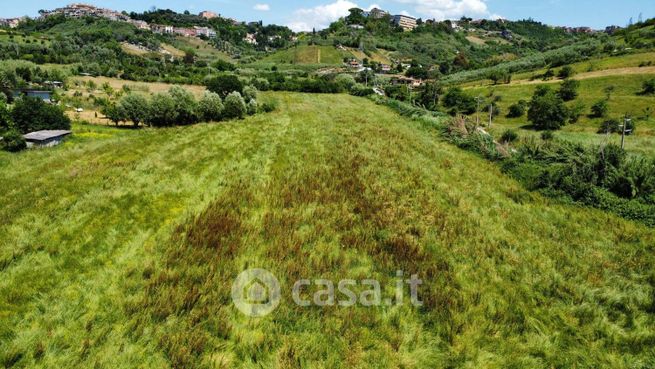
(625, 130)
(491, 113)
(477, 110)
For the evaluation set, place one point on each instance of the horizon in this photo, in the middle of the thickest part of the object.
(300, 16)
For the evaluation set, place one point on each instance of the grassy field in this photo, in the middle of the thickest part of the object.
(624, 100)
(306, 54)
(595, 65)
(118, 249)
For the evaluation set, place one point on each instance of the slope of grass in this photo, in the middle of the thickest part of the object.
(308, 54)
(118, 250)
(624, 100)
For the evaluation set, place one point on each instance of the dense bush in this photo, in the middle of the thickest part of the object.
(600, 109)
(569, 90)
(547, 110)
(12, 140)
(210, 107)
(32, 114)
(649, 87)
(162, 112)
(509, 136)
(234, 106)
(345, 81)
(249, 93)
(566, 72)
(459, 102)
(186, 106)
(518, 109)
(225, 84)
(134, 108)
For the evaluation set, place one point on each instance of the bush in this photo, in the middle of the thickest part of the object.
(12, 141)
(252, 107)
(459, 102)
(517, 110)
(5, 118)
(569, 90)
(133, 107)
(609, 126)
(547, 111)
(162, 112)
(225, 84)
(234, 106)
(210, 107)
(600, 109)
(249, 93)
(32, 114)
(509, 136)
(269, 106)
(565, 72)
(345, 81)
(649, 87)
(186, 106)
(575, 112)
(547, 135)
(262, 84)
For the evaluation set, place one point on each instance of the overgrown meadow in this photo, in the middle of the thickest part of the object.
(118, 249)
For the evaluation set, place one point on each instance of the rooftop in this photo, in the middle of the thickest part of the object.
(46, 135)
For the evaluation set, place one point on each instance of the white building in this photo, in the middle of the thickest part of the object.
(405, 22)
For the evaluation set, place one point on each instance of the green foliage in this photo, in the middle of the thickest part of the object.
(345, 81)
(250, 93)
(132, 107)
(430, 95)
(509, 136)
(518, 109)
(600, 109)
(163, 110)
(234, 106)
(569, 90)
(459, 102)
(547, 111)
(12, 140)
(185, 105)
(566, 72)
(609, 126)
(649, 87)
(32, 114)
(225, 84)
(210, 107)
(547, 135)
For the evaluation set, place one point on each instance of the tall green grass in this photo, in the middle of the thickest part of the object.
(119, 251)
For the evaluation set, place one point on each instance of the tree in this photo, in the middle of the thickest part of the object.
(134, 107)
(600, 109)
(459, 102)
(430, 94)
(114, 113)
(517, 110)
(31, 114)
(12, 141)
(5, 118)
(569, 90)
(547, 111)
(235, 106)
(225, 84)
(548, 75)
(566, 72)
(345, 81)
(185, 105)
(210, 107)
(250, 93)
(609, 90)
(162, 112)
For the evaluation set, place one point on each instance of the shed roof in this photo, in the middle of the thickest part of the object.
(45, 135)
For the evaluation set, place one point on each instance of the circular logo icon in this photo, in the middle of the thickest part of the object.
(256, 292)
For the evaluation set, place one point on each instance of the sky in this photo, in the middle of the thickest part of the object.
(304, 15)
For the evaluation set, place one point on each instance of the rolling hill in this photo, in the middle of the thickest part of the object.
(118, 250)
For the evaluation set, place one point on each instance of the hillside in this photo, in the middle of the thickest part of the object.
(118, 250)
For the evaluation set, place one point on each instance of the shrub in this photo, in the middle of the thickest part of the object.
(569, 90)
(459, 102)
(609, 126)
(576, 111)
(186, 106)
(133, 107)
(547, 111)
(262, 84)
(565, 72)
(649, 87)
(252, 107)
(517, 110)
(600, 109)
(547, 135)
(345, 81)
(12, 141)
(269, 106)
(225, 84)
(509, 136)
(162, 112)
(210, 107)
(234, 106)
(249, 93)
(5, 118)
(32, 114)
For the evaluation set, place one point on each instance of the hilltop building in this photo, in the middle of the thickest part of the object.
(11, 22)
(376, 13)
(208, 15)
(79, 10)
(405, 22)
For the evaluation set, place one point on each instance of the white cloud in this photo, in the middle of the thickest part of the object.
(262, 7)
(448, 9)
(319, 17)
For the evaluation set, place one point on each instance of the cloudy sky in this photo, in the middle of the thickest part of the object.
(305, 15)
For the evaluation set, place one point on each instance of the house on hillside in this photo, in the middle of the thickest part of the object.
(385, 68)
(354, 63)
(411, 82)
(208, 15)
(405, 22)
(377, 13)
(46, 138)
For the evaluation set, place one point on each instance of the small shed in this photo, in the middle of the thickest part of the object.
(46, 138)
